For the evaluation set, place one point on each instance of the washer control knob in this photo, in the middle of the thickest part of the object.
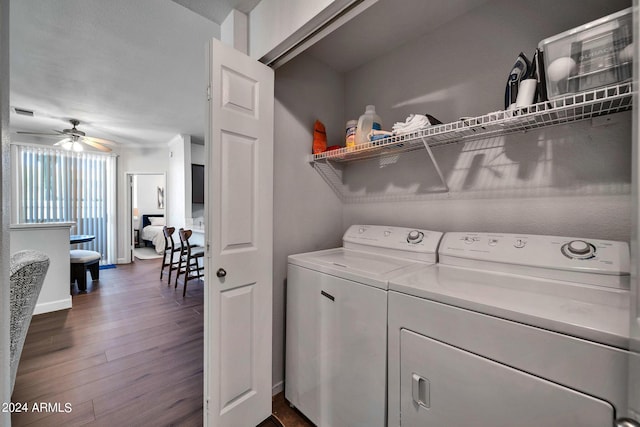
(578, 249)
(493, 242)
(361, 230)
(415, 237)
(519, 243)
(469, 240)
(387, 233)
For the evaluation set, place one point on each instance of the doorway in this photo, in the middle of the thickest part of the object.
(146, 203)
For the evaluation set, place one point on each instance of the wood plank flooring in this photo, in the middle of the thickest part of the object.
(129, 353)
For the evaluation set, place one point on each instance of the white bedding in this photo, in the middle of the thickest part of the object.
(154, 234)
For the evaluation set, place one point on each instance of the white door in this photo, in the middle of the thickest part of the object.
(239, 188)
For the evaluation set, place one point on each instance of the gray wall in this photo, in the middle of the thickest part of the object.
(307, 214)
(566, 180)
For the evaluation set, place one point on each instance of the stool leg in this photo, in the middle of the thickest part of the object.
(95, 271)
(82, 280)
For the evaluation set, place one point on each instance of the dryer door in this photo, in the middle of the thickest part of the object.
(443, 385)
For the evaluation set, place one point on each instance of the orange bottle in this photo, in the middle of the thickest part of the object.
(319, 138)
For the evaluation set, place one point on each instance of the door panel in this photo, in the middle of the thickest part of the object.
(239, 188)
(237, 376)
(238, 192)
(239, 92)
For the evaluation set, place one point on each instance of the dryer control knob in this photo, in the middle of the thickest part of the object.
(415, 236)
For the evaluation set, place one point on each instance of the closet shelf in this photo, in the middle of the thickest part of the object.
(581, 106)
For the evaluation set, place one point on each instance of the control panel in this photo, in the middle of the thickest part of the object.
(393, 238)
(552, 253)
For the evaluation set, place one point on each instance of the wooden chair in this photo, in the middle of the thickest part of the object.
(189, 264)
(171, 256)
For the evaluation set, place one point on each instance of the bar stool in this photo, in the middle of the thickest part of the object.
(189, 257)
(169, 258)
(81, 262)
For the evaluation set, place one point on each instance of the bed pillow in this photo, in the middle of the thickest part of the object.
(156, 220)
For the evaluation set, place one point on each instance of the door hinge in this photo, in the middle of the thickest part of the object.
(208, 93)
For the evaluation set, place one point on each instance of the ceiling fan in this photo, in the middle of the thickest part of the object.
(72, 138)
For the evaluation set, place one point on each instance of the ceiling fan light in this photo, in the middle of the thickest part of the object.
(76, 146)
(66, 144)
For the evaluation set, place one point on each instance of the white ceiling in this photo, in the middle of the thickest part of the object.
(130, 71)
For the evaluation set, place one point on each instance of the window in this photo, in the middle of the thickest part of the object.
(63, 186)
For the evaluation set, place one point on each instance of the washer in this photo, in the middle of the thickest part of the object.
(511, 330)
(336, 338)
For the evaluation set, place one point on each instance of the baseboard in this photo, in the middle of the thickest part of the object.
(48, 307)
(121, 261)
(277, 388)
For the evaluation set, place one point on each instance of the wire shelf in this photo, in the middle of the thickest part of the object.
(581, 106)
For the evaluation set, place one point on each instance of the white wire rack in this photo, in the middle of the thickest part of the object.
(575, 107)
(582, 106)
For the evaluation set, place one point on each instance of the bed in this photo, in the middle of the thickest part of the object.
(151, 233)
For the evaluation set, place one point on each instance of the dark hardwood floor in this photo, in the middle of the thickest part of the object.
(129, 353)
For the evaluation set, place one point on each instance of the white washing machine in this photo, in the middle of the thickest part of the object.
(336, 337)
(511, 330)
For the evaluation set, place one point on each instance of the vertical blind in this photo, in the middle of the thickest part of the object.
(56, 185)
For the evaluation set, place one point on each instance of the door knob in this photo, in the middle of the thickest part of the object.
(221, 272)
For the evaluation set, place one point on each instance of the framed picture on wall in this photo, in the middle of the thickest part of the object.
(160, 198)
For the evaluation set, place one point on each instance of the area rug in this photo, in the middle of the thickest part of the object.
(146, 253)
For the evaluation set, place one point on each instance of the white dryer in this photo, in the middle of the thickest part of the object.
(511, 330)
(336, 336)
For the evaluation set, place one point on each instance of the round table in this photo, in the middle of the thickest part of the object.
(81, 238)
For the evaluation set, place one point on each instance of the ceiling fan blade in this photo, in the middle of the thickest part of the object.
(41, 133)
(100, 140)
(96, 145)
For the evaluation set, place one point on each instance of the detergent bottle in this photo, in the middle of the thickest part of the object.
(367, 122)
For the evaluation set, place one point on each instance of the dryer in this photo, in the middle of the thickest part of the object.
(336, 325)
(511, 330)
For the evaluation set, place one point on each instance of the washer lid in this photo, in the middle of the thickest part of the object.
(590, 312)
(363, 267)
